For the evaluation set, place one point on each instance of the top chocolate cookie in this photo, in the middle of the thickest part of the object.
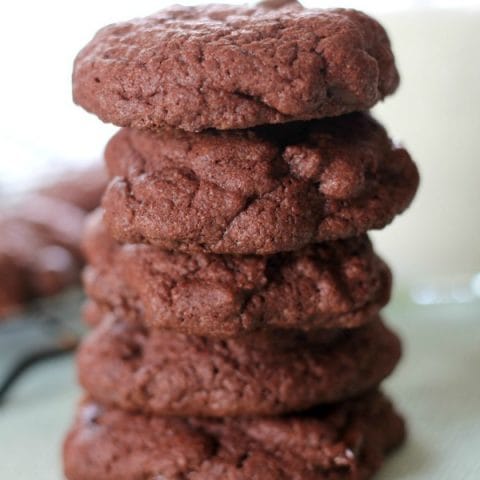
(227, 67)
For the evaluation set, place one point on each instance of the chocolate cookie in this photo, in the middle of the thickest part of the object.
(344, 442)
(228, 67)
(40, 237)
(93, 313)
(39, 249)
(340, 284)
(264, 373)
(257, 191)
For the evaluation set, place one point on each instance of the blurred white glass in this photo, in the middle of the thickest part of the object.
(436, 113)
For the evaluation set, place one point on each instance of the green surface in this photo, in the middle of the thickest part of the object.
(436, 386)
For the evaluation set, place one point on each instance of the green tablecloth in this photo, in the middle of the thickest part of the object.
(437, 386)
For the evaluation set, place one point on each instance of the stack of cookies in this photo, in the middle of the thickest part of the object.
(233, 291)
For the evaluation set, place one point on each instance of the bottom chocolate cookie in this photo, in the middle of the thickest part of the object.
(344, 442)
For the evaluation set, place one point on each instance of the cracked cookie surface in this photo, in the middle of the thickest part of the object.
(263, 373)
(228, 67)
(345, 442)
(256, 191)
(339, 284)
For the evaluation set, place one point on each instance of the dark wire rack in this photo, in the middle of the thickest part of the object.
(46, 329)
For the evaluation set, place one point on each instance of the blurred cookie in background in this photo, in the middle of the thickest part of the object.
(40, 237)
(11, 281)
